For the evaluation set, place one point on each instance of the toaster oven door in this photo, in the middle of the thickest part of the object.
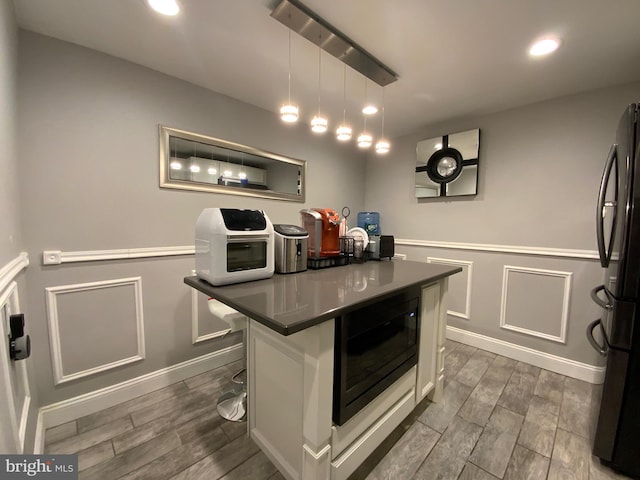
(246, 253)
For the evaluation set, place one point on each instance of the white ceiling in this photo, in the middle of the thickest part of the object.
(453, 57)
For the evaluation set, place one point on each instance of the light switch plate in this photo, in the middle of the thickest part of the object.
(52, 257)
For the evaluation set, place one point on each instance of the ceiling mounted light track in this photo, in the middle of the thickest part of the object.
(306, 23)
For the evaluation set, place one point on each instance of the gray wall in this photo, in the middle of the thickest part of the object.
(88, 149)
(11, 240)
(540, 168)
(10, 237)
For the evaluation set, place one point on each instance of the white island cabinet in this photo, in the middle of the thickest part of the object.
(290, 362)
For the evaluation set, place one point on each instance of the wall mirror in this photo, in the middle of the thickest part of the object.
(190, 161)
(447, 166)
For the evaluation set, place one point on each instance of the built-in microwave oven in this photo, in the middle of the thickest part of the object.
(374, 346)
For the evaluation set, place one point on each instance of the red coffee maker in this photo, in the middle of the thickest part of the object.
(323, 226)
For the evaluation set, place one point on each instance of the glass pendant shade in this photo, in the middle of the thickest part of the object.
(370, 109)
(383, 146)
(289, 113)
(365, 140)
(319, 124)
(343, 133)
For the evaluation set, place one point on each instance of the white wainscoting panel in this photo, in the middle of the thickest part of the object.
(15, 380)
(467, 269)
(563, 314)
(54, 326)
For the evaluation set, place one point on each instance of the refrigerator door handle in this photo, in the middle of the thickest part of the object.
(599, 301)
(603, 251)
(602, 350)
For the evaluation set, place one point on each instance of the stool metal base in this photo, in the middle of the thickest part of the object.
(232, 405)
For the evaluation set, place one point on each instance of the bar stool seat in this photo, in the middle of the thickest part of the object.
(232, 403)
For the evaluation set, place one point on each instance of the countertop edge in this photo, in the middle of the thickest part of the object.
(208, 289)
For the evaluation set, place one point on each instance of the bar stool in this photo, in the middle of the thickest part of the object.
(232, 404)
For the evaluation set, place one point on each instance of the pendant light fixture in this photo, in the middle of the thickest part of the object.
(343, 132)
(289, 111)
(382, 146)
(369, 108)
(364, 139)
(319, 124)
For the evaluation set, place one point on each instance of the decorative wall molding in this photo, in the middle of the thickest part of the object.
(18, 411)
(516, 249)
(458, 263)
(9, 271)
(88, 403)
(54, 331)
(553, 363)
(195, 335)
(56, 257)
(566, 296)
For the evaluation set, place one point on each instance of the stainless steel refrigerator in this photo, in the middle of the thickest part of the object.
(617, 333)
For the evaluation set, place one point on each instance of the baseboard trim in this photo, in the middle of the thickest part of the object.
(74, 408)
(554, 363)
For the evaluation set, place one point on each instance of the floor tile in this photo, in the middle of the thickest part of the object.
(132, 459)
(454, 362)
(201, 396)
(576, 403)
(571, 457)
(60, 432)
(550, 386)
(472, 371)
(95, 455)
(449, 456)
(496, 443)
(471, 472)
(439, 415)
(407, 454)
(519, 390)
(174, 461)
(539, 428)
(482, 400)
(220, 461)
(257, 467)
(90, 438)
(121, 410)
(525, 464)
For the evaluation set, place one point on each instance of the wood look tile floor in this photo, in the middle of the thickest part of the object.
(499, 419)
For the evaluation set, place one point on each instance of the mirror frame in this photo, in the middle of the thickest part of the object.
(167, 182)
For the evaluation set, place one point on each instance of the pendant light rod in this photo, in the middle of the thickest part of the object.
(311, 26)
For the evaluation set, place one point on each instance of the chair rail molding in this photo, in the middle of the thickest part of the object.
(9, 271)
(516, 249)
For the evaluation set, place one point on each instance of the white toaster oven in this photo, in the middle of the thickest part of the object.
(233, 246)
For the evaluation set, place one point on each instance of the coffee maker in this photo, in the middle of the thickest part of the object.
(323, 226)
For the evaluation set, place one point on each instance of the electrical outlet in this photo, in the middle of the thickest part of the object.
(52, 257)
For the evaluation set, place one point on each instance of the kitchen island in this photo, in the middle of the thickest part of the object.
(290, 360)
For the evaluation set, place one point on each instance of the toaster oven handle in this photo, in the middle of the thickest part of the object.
(247, 238)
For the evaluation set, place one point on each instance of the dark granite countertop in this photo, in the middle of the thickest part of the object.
(288, 303)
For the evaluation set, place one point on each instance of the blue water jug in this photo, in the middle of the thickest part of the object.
(370, 222)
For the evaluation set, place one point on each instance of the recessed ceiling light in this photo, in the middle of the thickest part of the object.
(165, 7)
(544, 47)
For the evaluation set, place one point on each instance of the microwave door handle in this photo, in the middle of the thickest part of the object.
(607, 305)
(602, 350)
(605, 255)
